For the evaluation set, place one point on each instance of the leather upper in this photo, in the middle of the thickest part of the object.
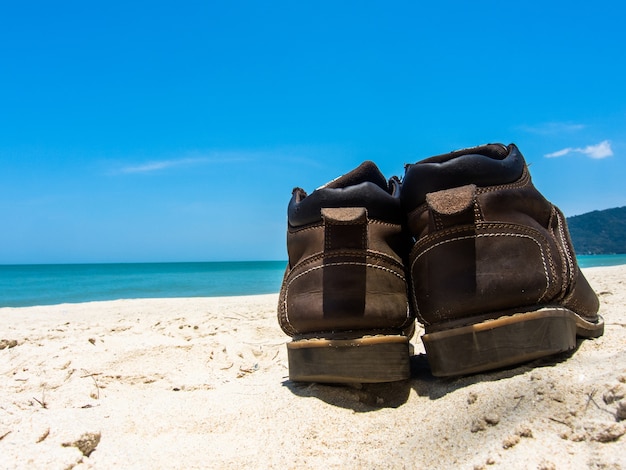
(346, 247)
(486, 241)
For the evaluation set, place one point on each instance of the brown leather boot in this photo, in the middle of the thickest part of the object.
(343, 299)
(494, 274)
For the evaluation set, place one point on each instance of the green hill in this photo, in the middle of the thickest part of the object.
(599, 232)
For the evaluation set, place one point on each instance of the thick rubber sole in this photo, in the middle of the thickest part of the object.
(372, 359)
(506, 341)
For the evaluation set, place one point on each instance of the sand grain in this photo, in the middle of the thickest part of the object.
(203, 383)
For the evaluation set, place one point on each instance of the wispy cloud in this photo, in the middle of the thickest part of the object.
(192, 159)
(598, 151)
(161, 165)
(552, 128)
(296, 156)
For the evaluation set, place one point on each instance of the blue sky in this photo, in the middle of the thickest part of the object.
(175, 131)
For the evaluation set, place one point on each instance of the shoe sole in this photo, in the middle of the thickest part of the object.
(506, 341)
(372, 359)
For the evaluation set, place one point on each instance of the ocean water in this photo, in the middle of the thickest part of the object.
(593, 261)
(48, 284)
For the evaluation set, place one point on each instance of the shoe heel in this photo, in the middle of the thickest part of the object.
(372, 359)
(502, 342)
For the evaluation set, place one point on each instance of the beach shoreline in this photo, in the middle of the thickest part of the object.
(203, 383)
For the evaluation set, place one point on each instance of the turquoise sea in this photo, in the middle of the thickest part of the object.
(593, 261)
(48, 284)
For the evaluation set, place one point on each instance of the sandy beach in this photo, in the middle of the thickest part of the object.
(203, 383)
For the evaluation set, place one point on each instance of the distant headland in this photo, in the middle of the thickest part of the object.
(599, 232)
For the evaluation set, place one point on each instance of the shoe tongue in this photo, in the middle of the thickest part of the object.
(365, 172)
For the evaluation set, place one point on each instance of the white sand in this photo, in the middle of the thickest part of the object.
(202, 383)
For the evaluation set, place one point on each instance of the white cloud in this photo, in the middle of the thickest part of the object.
(601, 150)
(598, 151)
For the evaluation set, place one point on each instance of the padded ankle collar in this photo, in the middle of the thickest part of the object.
(381, 205)
(487, 165)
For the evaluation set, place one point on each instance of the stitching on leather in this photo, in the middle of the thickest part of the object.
(518, 235)
(334, 254)
(327, 237)
(451, 231)
(418, 314)
(346, 263)
(553, 224)
(523, 180)
(318, 225)
(385, 257)
(478, 215)
(438, 220)
(552, 272)
(481, 226)
(365, 235)
(568, 254)
(381, 222)
(282, 312)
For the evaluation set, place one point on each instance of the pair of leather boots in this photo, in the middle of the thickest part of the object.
(464, 243)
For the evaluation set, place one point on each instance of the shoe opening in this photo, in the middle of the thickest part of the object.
(495, 151)
(365, 172)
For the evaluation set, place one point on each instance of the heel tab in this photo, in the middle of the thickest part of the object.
(451, 207)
